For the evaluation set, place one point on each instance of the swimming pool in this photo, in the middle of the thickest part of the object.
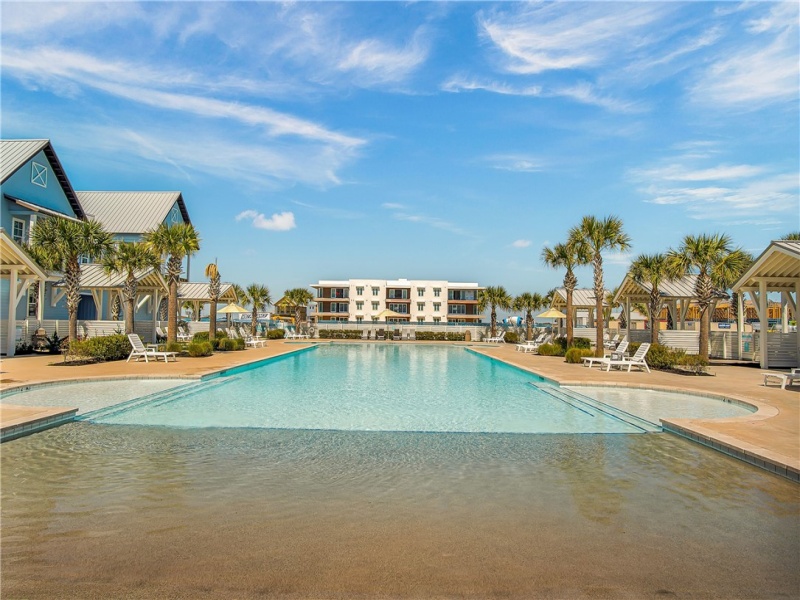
(394, 387)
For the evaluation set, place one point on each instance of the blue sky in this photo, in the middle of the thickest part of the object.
(419, 140)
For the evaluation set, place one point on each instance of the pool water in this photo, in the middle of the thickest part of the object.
(392, 387)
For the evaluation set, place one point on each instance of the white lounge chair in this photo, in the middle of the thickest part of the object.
(637, 360)
(783, 378)
(498, 339)
(254, 341)
(612, 343)
(140, 350)
(531, 345)
(588, 361)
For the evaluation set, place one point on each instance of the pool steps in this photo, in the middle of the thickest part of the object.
(587, 405)
(156, 398)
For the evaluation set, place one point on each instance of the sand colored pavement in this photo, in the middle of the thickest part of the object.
(773, 432)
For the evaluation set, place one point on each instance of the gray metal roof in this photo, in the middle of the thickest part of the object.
(581, 298)
(675, 289)
(15, 153)
(131, 212)
(778, 266)
(94, 276)
(189, 291)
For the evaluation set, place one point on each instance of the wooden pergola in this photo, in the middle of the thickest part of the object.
(776, 270)
(582, 299)
(197, 294)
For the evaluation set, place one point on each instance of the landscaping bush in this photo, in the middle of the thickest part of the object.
(238, 344)
(663, 357)
(452, 336)
(226, 344)
(278, 334)
(431, 336)
(575, 355)
(175, 347)
(342, 334)
(693, 363)
(510, 338)
(106, 348)
(550, 350)
(580, 342)
(200, 349)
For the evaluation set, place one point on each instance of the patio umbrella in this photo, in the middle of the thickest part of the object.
(387, 314)
(552, 313)
(232, 308)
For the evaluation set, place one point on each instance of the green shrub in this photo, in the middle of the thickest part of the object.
(693, 363)
(107, 347)
(575, 355)
(226, 344)
(200, 349)
(175, 347)
(511, 338)
(580, 342)
(277, 334)
(452, 336)
(663, 357)
(238, 344)
(550, 350)
(200, 336)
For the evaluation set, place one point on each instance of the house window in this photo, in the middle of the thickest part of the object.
(84, 259)
(399, 308)
(374, 319)
(420, 292)
(376, 291)
(420, 306)
(437, 292)
(359, 305)
(437, 320)
(457, 309)
(374, 306)
(420, 319)
(437, 306)
(359, 291)
(33, 299)
(18, 230)
(398, 294)
(359, 319)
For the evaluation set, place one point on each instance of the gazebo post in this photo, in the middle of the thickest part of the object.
(762, 302)
(628, 318)
(740, 322)
(796, 320)
(11, 343)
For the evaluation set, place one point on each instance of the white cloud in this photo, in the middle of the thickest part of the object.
(392, 206)
(374, 61)
(458, 83)
(521, 243)
(519, 163)
(277, 222)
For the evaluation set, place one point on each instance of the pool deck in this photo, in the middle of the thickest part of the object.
(769, 438)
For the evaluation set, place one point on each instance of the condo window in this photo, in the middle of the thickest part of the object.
(359, 291)
(420, 306)
(420, 292)
(437, 306)
(437, 292)
(376, 291)
(18, 230)
(374, 306)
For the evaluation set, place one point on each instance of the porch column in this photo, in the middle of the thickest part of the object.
(156, 303)
(762, 301)
(40, 303)
(784, 312)
(797, 321)
(740, 321)
(11, 342)
(628, 318)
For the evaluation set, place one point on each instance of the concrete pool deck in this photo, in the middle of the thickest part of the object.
(769, 438)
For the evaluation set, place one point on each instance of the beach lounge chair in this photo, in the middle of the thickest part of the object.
(611, 344)
(140, 350)
(783, 378)
(498, 339)
(637, 360)
(396, 335)
(380, 334)
(254, 341)
(588, 361)
(531, 345)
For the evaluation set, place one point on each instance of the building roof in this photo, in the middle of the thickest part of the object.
(93, 276)
(198, 292)
(15, 153)
(676, 289)
(778, 266)
(131, 212)
(581, 298)
(13, 256)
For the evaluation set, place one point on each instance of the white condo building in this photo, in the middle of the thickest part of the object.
(418, 301)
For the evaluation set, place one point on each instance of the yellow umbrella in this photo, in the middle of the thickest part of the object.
(551, 313)
(232, 308)
(386, 313)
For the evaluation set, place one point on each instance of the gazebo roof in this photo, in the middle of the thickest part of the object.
(675, 289)
(93, 276)
(198, 292)
(778, 266)
(582, 298)
(12, 255)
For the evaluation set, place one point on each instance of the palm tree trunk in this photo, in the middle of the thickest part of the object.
(212, 320)
(130, 299)
(598, 293)
(705, 325)
(254, 320)
(494, 322)
(529, 325)
(73, 283)
(570, 324)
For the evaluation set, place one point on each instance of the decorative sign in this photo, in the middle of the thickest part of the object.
(724, 325)
(38, 174)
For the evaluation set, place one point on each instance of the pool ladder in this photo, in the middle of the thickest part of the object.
(156, 398)
(592, 407)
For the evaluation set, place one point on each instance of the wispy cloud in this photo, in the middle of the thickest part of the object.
(330, 211)
(401, 213)
(520, 163)
(277, 222)
(374, 61)
(521, 243)
(762, 69)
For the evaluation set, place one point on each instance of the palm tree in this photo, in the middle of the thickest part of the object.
(214, 288)
(651, 269)
(593, 236)
(127, 259)
(298, 297)
(62, 242)
(176, 241)
(529, 303)
(258, 298)
(716, 263)
(495, 297)
(793, 236)
(567, 256)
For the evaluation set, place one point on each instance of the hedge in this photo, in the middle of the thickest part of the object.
(200, 349)
(575, 355)
(341, 334)
(107, 347)
(276, 334)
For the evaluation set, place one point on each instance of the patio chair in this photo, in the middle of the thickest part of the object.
(588, 361)
(611, 344)
(498, 339)
(396, 335)
(380, 334)
(783, 378)
(140, 350)
(637, 360)
(531, 345)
